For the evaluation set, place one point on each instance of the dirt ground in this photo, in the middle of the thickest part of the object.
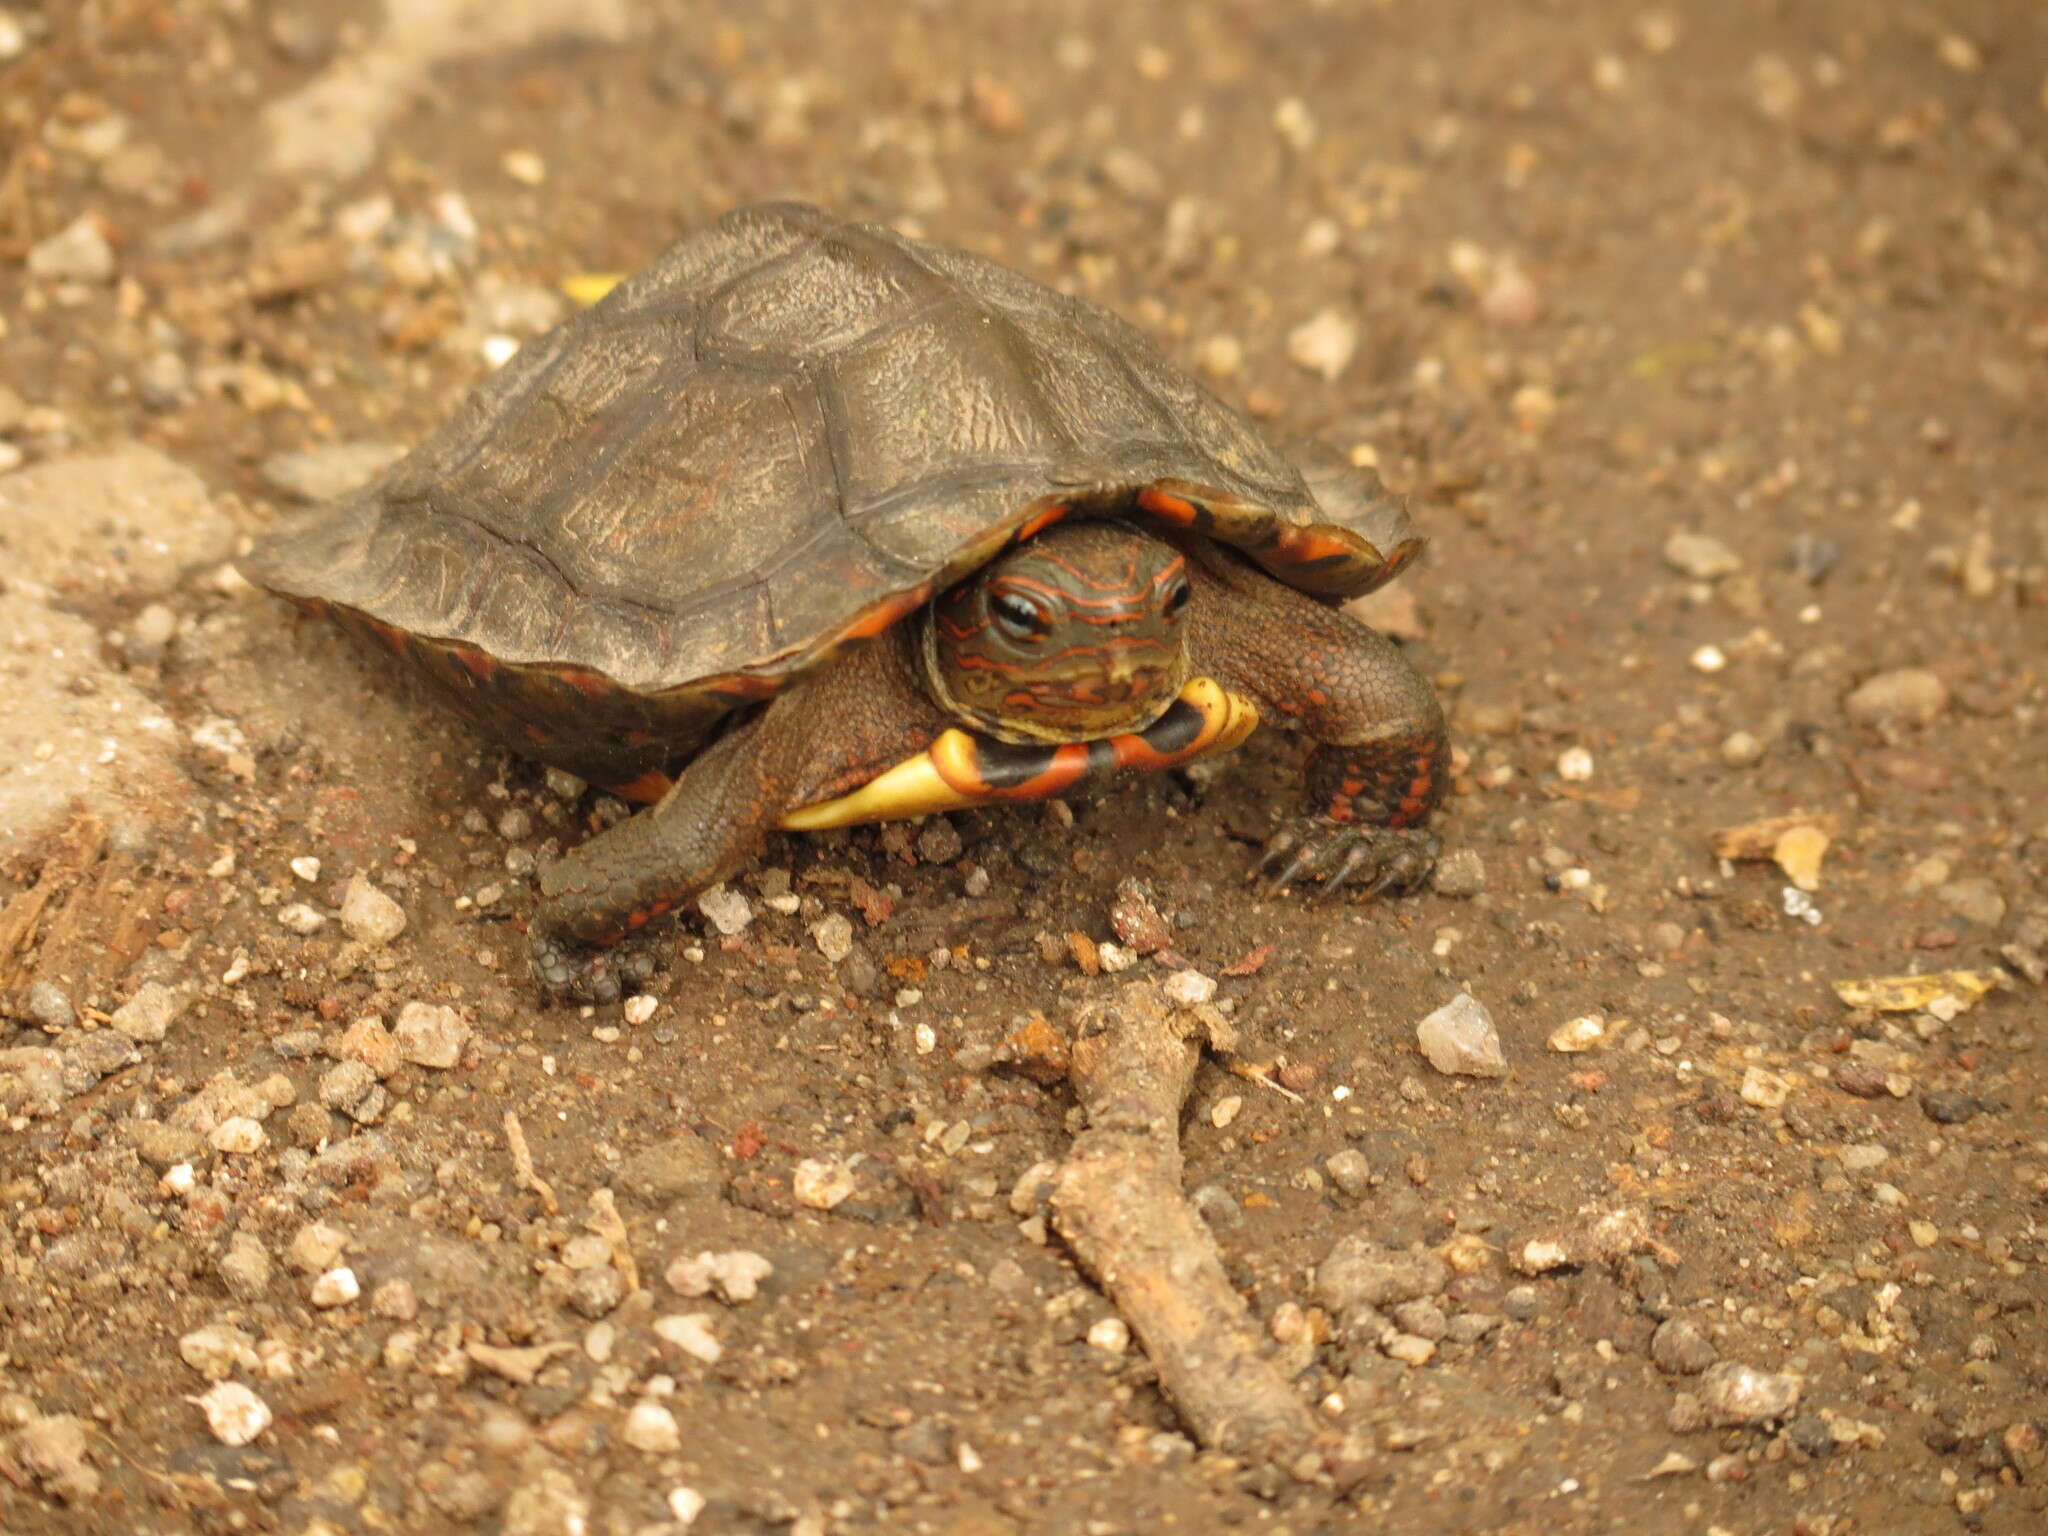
(1711, 343)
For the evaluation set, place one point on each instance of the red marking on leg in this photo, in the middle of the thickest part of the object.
(646, 789)
(1164, 504)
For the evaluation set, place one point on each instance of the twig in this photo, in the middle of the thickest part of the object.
(522, 1164)
(605, 1221)
(1117, 1201)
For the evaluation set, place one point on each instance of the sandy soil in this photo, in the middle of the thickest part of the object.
(1711, 342)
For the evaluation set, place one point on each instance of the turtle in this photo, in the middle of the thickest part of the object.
(813, 523)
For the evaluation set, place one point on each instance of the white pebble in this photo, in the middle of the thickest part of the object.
(216, 1350)
(179, 1179)
(498, 350)
(726, 909)
(1225, 1110)
(821, 1182)
(430, 1035)
(1575, 763)
(336, 1288)
(1709, 658)
(652, 1428)
(1190, 988)
(1114, 957)
(1460, 1039)
(1324, 344)
(238, 1134)
(691, 1333)
(736, 1275)
(639, 1008)
(302, 919)
(1112, 1336)
(686, 1504)
(234, 1413)
(833, 934)
(306, 868)
(1580, 1034)
(368, 914)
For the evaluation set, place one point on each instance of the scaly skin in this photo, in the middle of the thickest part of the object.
(1383, 759)
(829, 733)
(1377, 774)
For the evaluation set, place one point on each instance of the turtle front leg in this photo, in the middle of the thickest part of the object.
(1382, 761)
(700, 832)
(825, 735)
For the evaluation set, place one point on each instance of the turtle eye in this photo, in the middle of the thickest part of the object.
(1177, 596)
(1018, 617)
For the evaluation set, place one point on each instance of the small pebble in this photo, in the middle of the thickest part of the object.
(77, 253)
(1575, 764)
(685, 1505)
(736, 1275)
(1741, 750)
(1909, 696)
(430, 1035)
(1190, 989)
(1764, 1089)
(1733, 1393)
(1678, 1348)
(1974, 899)
(639, 1008)
(652, 1427)
(1459, 873)
(238, 1135)
(1349, 1171)
(1709, 658)
(1460, 1039)
(336, 1288)
(833, 934)
(1700, 556)
(245, 1269)
(1324, 345)
(234, 1413)
(1409, 1348)
(726, 909)
(307, 868)
(821, 1183)
(315, 1247)
(692, 1334)
(368, 1041)
(217, 1351)
(49, 1008)
(368, 914)
(1225, 1110)
(1112, 1336)
(301, 919)
(1360, 1273)
(1578, 1035)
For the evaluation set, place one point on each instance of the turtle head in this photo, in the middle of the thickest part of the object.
(1074, 635)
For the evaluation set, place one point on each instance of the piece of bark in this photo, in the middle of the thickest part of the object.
(1117, 1202)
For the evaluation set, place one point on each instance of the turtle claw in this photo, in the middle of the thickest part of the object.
(567, 972)
(1389, 859)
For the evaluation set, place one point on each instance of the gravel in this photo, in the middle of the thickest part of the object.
(1460, 1039)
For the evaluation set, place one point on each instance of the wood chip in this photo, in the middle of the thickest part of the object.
(522, 1165)
(605, 1221)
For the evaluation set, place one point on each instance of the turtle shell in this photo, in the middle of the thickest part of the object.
(783, 436)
